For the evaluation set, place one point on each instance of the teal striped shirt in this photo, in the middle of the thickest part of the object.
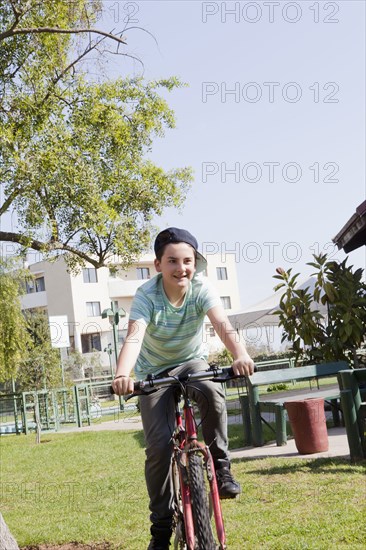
(173, 335)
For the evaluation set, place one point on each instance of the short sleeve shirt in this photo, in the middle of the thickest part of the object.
(173, 335)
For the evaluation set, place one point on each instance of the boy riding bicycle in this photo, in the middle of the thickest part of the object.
(165, 337)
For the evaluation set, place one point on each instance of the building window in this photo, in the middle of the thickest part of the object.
(90, 275)
(226, 302)
(143, 273)
(90, 342)
(221, 273)
(93, 309)
(35, 285)
(39, 284)
(29, 287)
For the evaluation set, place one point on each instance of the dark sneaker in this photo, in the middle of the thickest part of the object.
(228, 487)
(160, 537)
(156, 544)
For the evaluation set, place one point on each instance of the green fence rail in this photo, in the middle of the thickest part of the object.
(60, 408)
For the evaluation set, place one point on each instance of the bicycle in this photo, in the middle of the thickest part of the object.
(191, 464)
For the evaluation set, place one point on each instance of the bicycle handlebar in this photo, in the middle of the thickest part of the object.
(153, 382)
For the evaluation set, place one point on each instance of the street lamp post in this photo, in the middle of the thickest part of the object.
(114, 315)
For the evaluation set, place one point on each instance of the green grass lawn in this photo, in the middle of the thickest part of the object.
(89, 487)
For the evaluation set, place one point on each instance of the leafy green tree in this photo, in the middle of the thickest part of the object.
(74, 148)
(26, 353)
(78, 366)
(42, 366)
(315, 336)
(225, 358)
(74, 366)
(13, 329)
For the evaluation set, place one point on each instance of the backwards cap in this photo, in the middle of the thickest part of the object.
(175, 235)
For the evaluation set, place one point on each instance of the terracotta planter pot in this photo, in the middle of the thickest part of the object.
(308, 425)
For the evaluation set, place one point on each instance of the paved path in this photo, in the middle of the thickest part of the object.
(338, 444)
(338, 447)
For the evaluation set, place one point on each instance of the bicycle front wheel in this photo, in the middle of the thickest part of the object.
(178, 521)
(200, 504)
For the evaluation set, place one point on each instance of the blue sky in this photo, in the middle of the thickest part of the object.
(279, 162)
(272, 122)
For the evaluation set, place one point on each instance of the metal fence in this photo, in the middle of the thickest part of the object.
(62, 408)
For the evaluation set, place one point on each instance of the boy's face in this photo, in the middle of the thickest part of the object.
(177, 265)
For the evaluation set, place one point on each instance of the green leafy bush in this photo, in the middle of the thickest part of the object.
(315, 336)
(277, 387)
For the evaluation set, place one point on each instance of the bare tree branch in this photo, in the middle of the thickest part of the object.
(73, 235)
(49, 246)
(16, 13)
(142, 29)
(55, 30)
(8, 202)
(72, 65)
(92, 242)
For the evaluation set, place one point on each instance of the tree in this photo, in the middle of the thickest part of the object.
(41, 366)
(73, 148)
(13, 329)
(314, 336)
(26, 351)
(78, 366)
(225, 357)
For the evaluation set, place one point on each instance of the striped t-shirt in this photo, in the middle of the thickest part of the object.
(173, 335)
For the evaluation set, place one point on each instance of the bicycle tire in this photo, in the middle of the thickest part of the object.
(179, 542)
(200, 505)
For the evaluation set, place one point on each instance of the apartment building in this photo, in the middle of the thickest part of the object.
(79, 300)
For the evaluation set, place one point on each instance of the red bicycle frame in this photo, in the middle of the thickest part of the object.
(186, 441)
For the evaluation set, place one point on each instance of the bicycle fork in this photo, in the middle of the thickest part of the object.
(187, 446)
(187, 507)
(215, 499)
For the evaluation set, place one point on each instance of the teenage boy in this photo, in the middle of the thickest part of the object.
(165, 337)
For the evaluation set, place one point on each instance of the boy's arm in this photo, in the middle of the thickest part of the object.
(243, 364)
(122, 383)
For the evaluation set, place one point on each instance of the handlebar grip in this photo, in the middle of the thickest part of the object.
(229, 373)
(136, 388)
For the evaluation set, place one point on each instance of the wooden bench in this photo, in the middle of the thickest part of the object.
(272, 364)
(352, 384)
(253, 405)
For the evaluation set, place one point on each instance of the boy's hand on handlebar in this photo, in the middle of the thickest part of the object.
(123, 385)
(243, 365)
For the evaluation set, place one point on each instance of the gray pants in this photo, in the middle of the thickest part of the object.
(158, 419)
